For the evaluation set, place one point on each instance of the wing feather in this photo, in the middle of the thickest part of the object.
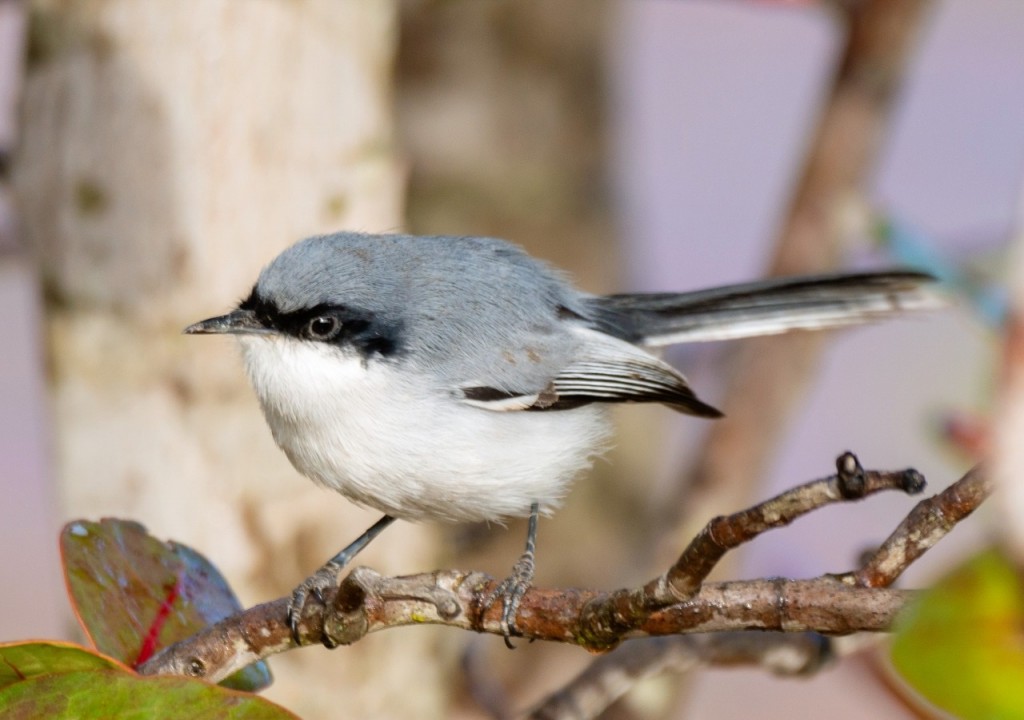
(605, 370)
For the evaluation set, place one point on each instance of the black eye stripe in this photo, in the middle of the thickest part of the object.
(354, 327)
(297, 321)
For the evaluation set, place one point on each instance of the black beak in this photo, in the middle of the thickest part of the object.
(237, 322)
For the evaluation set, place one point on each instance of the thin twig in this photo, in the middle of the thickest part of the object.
(930, 521)
(851, 482)
(611, 675)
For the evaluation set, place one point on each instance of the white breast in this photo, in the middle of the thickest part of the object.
(391, 440)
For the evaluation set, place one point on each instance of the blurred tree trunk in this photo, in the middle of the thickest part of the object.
(170, 150)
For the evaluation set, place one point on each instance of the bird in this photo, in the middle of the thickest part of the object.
(458, 379)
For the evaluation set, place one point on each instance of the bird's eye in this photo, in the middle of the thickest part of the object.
(323, 327)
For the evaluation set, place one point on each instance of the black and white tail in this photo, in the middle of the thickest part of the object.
(764, 307)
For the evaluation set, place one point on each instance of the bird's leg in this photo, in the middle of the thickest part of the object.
(512, 588)
(327, 576)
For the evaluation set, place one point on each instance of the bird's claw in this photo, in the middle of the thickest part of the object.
(511, 591)
(315, 585)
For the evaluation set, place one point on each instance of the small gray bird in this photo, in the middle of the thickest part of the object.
(458, 379)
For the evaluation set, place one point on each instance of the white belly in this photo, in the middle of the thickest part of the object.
(386, 439)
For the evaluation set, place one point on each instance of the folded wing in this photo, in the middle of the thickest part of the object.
(606, 370)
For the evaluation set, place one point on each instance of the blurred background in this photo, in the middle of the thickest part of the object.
(153, 156)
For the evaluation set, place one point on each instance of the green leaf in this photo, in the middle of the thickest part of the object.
(86, 694)
(134, 594)
(56, 680)
(24, 660)
(961, 645)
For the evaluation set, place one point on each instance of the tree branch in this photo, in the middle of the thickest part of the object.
(366, 601)
(930, 521)
(612, 675)
(609, 676)
(821, 605)
(851, 482)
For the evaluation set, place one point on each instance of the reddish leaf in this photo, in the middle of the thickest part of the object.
(134, 594)
(968, 434)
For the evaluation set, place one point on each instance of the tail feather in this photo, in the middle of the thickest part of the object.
(765, 307)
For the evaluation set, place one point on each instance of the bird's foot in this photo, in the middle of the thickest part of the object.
(511, 591)
(327, 577)
(315, 585)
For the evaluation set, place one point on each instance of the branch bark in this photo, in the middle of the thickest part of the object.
(366, 601)
(611, 675)
(930, 521)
